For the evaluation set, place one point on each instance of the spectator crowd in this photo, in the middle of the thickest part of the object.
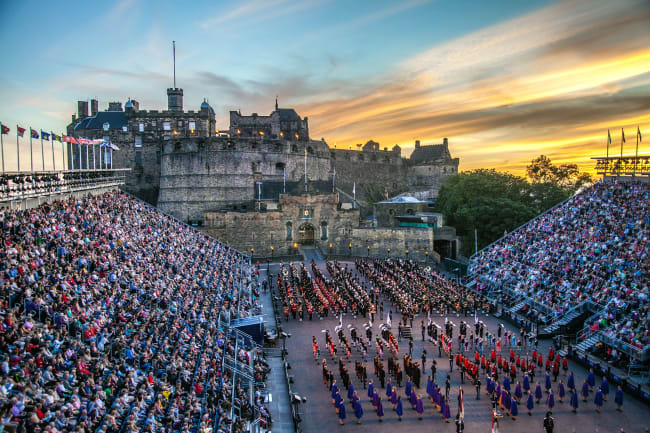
(114, 319)
(594, 247)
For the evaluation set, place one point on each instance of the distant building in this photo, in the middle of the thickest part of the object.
(139, 134)
(281, 124)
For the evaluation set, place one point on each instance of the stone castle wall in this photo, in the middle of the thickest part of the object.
(376, 174)
(208, 174)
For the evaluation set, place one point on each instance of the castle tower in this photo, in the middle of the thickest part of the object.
(175, 99)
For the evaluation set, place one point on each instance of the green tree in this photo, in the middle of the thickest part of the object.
(566, 176)
(493, 202)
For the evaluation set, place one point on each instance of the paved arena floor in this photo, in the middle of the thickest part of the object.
(319, 416)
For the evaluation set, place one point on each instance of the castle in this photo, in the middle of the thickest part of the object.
(264, 178)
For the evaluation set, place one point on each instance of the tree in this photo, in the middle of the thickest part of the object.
(566, 176)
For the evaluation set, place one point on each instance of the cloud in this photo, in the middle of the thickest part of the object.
(257, 11)
(548, 76)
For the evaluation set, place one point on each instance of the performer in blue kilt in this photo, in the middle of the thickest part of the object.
(341, 411)
(598, 399)
(529, 403)
(618, 399)
(574, 400)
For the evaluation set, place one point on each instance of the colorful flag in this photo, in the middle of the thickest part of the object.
(638, 133)
(5, 129)
(105, 144)
(623, 135)
(82, 140)
(114, 147)
(34, 133)
(20, 130)
(45, 135)
(70, 139)
(55, 137)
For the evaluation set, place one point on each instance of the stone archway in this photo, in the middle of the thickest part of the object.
(306, 234)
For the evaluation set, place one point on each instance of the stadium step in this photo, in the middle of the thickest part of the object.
(565, 320)
(586, 344)
(517, 307)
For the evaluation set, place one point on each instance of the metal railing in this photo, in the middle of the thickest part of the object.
(26, 185)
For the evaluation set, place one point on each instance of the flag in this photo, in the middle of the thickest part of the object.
(114, 147)
(5, 130)
(70, 139)
(623, 135)
(55, 137)
(45, 135)
(105, 144)
(638, 133)
(96, 141)
(34, 133)
(20, 130)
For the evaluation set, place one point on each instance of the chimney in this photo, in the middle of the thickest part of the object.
(445, 142)
(94, 107)
(417, 144)
(82, 109)
(74, 118)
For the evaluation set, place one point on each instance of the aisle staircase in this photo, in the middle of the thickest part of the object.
(563, 321)
(590, 341)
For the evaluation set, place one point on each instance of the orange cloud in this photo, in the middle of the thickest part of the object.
(505, 94)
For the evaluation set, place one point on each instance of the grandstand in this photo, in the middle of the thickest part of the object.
(580, 270)
(116, 317)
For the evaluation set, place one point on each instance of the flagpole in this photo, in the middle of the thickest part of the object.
(609, 138)
(18, 148)
(42, 152)
(284, 181)
(94, 168)
(87, 158)
(53, 161)
(305, 167)
(79, 146)
(334, 181)
(110, 153)
(2, 147)
(31, 150)
(620, 162)
(63, 154)
(636, 154)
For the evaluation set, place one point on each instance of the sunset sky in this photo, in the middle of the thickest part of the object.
(505, 81)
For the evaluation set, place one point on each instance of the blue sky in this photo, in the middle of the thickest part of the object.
(360, 70)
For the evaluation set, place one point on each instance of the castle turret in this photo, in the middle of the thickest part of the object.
(175, 99)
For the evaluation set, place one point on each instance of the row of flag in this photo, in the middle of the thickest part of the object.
(47, 136)
(638, 135)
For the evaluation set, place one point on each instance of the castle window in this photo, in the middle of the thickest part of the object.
(294, 148)
(141, 127)
(138, 141)
(289, 231)
(192, 126)
(167, 126)
(310, 150)
(323, 230)
(180, 124)
(279, 168)
(138, 159)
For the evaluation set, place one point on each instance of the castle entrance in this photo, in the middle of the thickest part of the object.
(306, 234)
